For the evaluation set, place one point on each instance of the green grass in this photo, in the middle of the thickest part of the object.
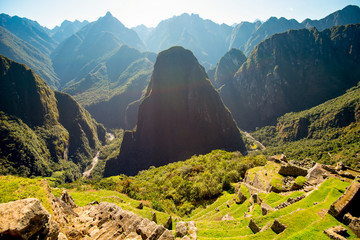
(15, 188)
(303, 219)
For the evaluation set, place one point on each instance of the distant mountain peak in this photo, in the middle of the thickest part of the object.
(108, 14)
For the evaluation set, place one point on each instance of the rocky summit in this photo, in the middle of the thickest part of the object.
(181, 115)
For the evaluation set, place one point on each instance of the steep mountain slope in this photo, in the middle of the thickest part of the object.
(15, 48)
(142, 31)
(293, 71)
(81, 52)
(327, 133)
(181, 115)
(348, 15)
(29, 31)
(66, 29)
(206, 39)
(241, 34)
(227, 67)
(112, 84)
(33, 139)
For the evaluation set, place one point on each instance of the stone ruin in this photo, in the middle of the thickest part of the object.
(346, 208)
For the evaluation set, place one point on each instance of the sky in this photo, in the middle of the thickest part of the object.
(131, 13)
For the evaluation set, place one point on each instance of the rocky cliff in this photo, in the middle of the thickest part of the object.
(293, 71)
(181, 115)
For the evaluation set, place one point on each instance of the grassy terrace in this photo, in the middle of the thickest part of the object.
(304, 219)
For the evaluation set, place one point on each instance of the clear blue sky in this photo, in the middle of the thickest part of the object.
(150, 12)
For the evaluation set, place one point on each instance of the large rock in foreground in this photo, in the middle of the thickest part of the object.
(23, 219)
(181, 115)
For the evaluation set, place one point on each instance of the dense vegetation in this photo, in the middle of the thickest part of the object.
(182, 186)
(327, 133)
(42, 133)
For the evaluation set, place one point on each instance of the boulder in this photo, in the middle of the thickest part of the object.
(192, 230)
(25, 219)
(159, 230)
(185, 238)
(253, 226)
(278, 227)
(145, 228)
(292, 170)
(62, 236)
(315, 174)
(67, 199)
(133, 236)
(167, 235)
(181, 229)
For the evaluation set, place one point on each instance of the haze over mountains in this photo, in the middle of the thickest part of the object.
(261, 70)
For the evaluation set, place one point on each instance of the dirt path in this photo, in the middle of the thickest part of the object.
(93, 164)
(256, 141)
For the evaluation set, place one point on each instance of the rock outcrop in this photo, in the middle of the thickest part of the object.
(181, 115)
(28, 219)
(25, 219)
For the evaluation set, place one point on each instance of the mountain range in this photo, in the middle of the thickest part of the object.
(73, 55)
(106, 68)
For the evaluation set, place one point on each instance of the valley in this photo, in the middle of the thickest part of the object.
(187, 130)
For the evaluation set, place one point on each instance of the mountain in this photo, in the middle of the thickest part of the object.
(113, 84)
(181, 115)
(271, 26)
(227, 67)
(246, 36)
(327, 133)
(29, 31)
(348, 15)
(241, 34)
(142, 31)
(83, 50)
(293, 71)
(15, 48)
(206, 39)
(42, 132)
(66, 29)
